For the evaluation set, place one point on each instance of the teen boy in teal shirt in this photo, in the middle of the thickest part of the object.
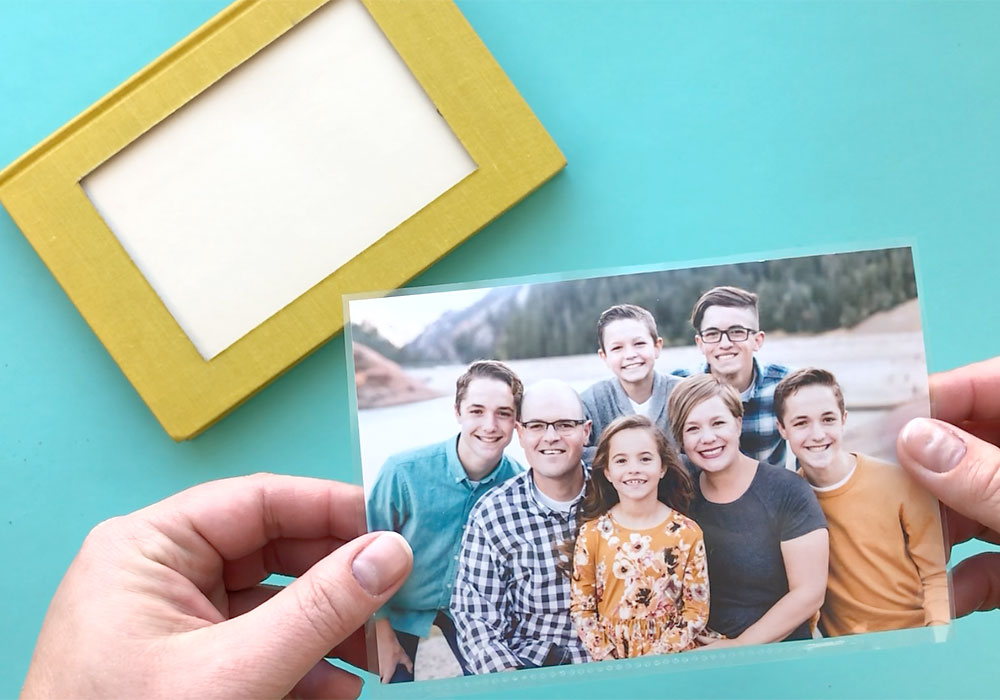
(426, 495)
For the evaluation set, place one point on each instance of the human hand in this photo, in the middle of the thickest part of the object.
(714, 642)
(167, 601)
(390, 653)
(956, 458)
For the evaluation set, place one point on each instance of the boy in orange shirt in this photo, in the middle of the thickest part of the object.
(887, 563)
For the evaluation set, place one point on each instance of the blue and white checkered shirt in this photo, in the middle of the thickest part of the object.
(760, 438)
(510, 603)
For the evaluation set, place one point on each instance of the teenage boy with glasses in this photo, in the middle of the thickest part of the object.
(727, 331)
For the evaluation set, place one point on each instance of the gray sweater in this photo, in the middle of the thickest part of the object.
(607, 400)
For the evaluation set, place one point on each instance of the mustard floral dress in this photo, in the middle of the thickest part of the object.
(638, 592)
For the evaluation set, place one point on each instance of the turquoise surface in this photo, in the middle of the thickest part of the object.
(692, 130)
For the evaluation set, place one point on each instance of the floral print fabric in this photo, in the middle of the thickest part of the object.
(638, 592)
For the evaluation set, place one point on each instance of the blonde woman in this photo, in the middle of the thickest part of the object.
(764, 531)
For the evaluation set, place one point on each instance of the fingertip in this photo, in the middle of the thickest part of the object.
(319, 610)
(958, 468)
(931, 445)
(383, 564)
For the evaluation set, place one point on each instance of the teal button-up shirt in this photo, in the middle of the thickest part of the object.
(426, 496)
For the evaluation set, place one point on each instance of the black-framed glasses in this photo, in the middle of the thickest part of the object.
(563, 426)
(736, 334)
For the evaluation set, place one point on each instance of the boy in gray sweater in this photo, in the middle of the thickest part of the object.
(629, 345)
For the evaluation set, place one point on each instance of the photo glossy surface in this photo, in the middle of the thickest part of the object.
(540, 327)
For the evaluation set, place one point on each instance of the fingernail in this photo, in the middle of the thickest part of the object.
(933, 445)
(381, 564)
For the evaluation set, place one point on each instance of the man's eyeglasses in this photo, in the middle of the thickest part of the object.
(564, 427)
(736, 334)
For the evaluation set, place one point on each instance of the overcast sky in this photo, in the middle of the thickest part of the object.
(400, 319)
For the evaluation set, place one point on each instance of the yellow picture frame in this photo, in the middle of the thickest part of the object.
(42, 193)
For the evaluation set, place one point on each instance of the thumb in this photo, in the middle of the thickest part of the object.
(285, 637)
(961, 470)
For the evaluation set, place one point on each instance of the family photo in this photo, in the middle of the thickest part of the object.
(644, 463)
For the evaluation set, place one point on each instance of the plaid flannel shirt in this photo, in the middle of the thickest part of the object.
(510, 603)
(760, 438)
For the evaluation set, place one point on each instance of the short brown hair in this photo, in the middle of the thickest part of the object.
(696, 390)
(721, 296)
(489, 369)
(810, 376)
(620, 312)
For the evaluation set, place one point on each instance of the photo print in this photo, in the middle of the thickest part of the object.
(647, 462)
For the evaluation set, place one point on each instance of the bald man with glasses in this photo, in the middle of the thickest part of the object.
(510, 603)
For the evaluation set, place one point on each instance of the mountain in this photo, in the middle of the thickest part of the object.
(465, 335)
(367, 334)
(381, 382)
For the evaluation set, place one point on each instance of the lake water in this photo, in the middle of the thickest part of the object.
(883, 375)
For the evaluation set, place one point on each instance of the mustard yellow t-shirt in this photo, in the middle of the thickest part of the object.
(887, 564)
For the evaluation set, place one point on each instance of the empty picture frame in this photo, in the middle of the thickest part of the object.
(233, 266)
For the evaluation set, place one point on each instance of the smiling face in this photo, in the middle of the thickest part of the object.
(634, 465)
(711, 435)
(629, 350)
(486, 419)
(554, 457)
(813, 424)
(726, 358)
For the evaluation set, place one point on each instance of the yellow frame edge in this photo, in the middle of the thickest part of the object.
(186, 393)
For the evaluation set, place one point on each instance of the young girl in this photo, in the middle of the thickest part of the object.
(640, 583)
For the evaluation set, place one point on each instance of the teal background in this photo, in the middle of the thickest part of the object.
(691, 130)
